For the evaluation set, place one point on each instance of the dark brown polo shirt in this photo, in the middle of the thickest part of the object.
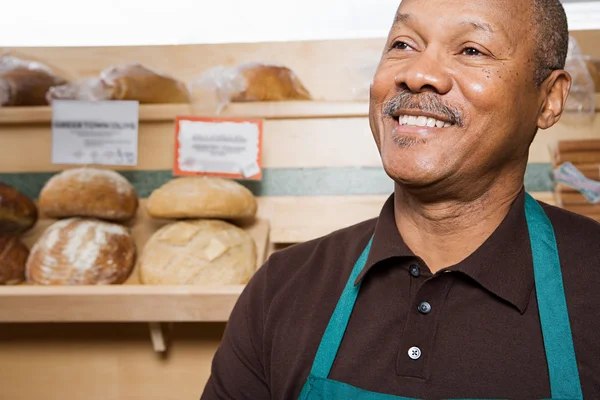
(479, 337)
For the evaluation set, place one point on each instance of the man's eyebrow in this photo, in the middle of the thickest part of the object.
(402, 18)
(478, 25)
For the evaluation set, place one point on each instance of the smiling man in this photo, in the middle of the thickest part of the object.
(464, 286)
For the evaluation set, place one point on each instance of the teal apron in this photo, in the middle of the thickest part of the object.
(554, 319)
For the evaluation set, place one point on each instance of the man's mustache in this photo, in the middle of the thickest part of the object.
(426, 102)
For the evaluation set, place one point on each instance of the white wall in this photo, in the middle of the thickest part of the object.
(139, 22)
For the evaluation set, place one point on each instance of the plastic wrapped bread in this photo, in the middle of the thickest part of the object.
(130, 81)
(250, 82)
(25, 83)
(593, 66)
(270, 83)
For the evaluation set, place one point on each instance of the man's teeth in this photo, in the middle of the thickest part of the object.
(411, 120)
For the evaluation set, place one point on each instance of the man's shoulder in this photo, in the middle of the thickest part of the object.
(578, 242)
(575, 228)
(322, 259)
(332, 245)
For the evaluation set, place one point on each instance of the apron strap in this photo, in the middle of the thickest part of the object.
(334, 333)
(552, 304)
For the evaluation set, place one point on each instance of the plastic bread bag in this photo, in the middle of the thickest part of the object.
(581, 100)
(130, 81)
(89, 89)
(593, 66)
(360, 72)
(24, 82)
(249, 82)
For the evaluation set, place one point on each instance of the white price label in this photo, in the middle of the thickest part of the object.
(218, 147)
(95, 132)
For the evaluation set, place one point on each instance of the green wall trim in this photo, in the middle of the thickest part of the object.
(339, 181)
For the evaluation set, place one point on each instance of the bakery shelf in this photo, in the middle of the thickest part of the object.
(262, 110)
(131, 301)
(116, 303)
(168, 112)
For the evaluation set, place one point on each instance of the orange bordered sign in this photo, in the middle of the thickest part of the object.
(223, 147)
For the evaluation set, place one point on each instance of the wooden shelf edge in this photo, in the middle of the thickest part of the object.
(259, 110)
(117, 303)
(168, 112)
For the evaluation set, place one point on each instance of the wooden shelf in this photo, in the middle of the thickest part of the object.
(168, 112)
(131, 301)
(116, 303)
(262, 110)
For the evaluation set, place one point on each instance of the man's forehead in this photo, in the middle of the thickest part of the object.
(488, 16)
(404, 18)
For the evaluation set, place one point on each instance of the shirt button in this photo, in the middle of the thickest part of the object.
(414, 353)
(424, 308)
(414, 270)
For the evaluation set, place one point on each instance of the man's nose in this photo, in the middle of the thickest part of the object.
(424, 71)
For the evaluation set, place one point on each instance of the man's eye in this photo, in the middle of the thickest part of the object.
(470, 51)
(400, 45)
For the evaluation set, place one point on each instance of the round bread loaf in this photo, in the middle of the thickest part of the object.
(89, 192)
(13, 257)
(202, 197)
(79, 251)
(18, 213)
(198, 252)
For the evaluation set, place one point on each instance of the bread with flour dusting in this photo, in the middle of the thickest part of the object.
(198, 252)
(81, 251)
(202, 197)
(89, 192)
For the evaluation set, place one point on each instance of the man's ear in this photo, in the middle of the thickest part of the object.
(555, 89)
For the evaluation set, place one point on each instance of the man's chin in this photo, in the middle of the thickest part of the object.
(412, 176)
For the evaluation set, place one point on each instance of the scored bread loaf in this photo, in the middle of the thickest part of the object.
(270, 83)
(89, 192)
(18, 213)
(198, 252)
(202, 197)
(13, 257)
(81, 251)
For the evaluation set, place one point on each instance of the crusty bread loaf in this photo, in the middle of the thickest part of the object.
(202, 197)
(131, 81)
(26, 87)
(13, 257)
(198, 252)
(134, 81)
(81, 251)
(270, 83)
(18, 213)
(89, 192)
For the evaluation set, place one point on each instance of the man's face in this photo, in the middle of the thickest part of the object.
(454, 96)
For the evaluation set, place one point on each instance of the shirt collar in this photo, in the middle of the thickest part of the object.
(502, 265)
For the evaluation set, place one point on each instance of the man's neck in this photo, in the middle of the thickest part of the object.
(443, 233)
